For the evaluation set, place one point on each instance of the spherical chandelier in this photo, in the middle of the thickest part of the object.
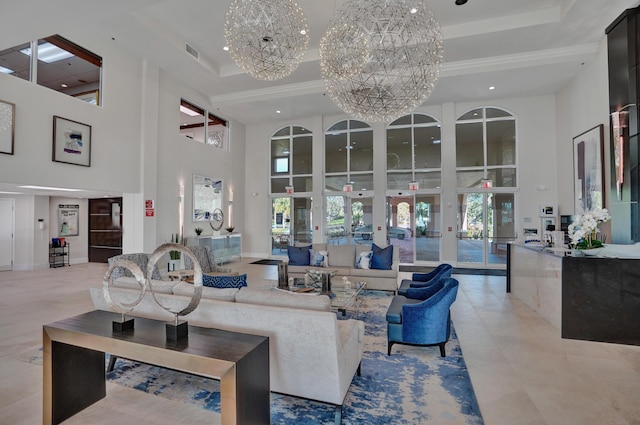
(386, 62)
(267, 39)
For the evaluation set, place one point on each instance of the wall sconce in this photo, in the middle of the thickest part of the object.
(347, 188)
(619, 121)
(414, 185)
(289, 190)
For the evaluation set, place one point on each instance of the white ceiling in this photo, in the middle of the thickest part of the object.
(522, 47)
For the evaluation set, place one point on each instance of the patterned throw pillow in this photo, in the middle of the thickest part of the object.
(364, 260)
(224, 281)
(318, 258)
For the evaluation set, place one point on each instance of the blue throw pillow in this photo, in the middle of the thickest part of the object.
(224, 281)
(426, 292)
(382, 258)
(298, 255)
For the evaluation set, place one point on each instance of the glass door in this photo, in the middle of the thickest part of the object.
(349, 220)
(428, 233)
(400, 219)
(485, 226)
(280, 225)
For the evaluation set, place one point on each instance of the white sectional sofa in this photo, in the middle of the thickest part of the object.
(343, 258)
(312, 353)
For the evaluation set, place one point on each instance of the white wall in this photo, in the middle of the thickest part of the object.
(136, 151)
(179, 157)
(582, 105)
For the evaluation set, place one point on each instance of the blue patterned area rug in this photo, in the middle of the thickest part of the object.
(412, 386)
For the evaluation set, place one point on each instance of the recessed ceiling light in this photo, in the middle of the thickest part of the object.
(414, 10)
(225, 48)
(63, 85)
(492, 88)
(62, 189)
(278, 111)
(303, 32)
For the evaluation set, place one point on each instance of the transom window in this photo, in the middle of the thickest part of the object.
(349, 156)
(291, 160)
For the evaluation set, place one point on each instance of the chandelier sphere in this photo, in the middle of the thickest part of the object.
(267, 39)
(380, 59)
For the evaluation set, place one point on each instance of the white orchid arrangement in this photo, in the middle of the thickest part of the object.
(584, 232)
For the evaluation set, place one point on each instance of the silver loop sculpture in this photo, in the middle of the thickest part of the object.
(197, 277)
(138, 274)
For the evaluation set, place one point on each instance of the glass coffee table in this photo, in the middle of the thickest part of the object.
(343, 296)
(346, 297)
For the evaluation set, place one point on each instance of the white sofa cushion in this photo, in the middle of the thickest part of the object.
(223, 294)
(342, 255)
(280, 298)
(159, 286)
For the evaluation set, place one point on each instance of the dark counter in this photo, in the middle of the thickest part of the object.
(601, 299)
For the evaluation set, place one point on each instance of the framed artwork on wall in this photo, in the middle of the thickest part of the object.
(71, 142)
(588, 165)
(7, 126)
(68, 221)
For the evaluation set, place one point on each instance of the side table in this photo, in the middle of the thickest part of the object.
(74, 364)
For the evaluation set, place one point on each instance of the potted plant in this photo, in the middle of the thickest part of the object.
(174, 256)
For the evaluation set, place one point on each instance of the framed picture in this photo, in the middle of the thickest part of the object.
(68, 220)
(7, 126)
(71, 142)
(588, 166)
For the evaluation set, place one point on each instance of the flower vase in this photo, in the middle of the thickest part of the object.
(592, 252)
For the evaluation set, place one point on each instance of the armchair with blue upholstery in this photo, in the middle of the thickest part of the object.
(422, 322)
(420, 280)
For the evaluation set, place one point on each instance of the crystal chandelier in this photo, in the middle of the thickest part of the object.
(267, 39)
(380, 59)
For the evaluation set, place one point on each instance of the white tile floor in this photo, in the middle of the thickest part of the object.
(522, 371)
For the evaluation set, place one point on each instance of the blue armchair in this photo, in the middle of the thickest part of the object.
(419, 280)
(422, 323)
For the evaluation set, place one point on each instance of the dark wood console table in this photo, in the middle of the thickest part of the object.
(74, 363)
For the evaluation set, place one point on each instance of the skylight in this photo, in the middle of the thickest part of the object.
(48, 53)
(6, 70)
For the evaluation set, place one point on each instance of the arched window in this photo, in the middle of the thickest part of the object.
(486, 184)
(348, 156)
(291, 165)
(486, 149)
(413, 152)
(291, 160)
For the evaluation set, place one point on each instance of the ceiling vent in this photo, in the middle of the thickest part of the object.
(192, 51)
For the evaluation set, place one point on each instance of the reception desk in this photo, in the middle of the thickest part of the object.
(586, 298)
